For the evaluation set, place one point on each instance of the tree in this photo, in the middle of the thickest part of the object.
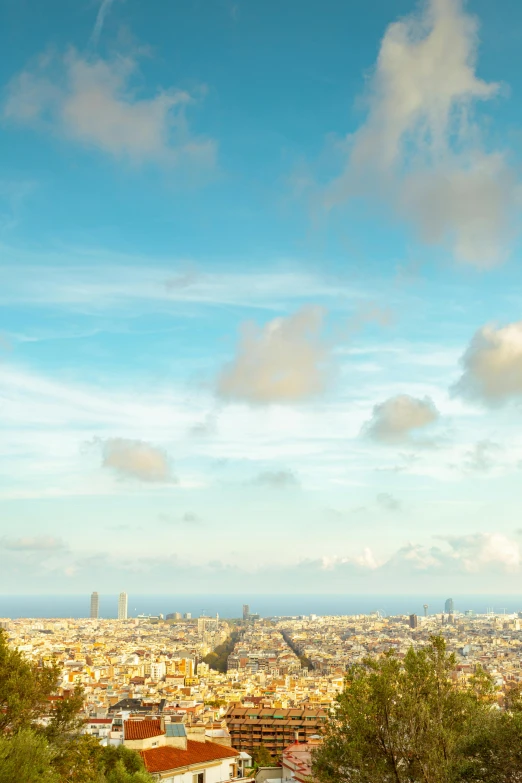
(402, 721)
(494, 753)
(41, 739)
(24, 688)
(261, 757)
(26, 757)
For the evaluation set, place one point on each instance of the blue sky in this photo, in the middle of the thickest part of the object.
(260, 296)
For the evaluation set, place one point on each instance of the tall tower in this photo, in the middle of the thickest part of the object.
(246, 611)
(95, 606)
(414, 621)
(122, 606)
(425, 607)
(448, 606)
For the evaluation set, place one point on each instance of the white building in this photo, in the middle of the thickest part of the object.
(123, 601)
(171, 757)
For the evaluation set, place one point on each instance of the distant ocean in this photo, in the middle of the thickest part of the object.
(229, 606)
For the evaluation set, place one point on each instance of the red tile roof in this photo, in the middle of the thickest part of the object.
(142, 729)
(167, 758)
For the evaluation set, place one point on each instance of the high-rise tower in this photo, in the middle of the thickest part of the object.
(122, 606)
(246, 611)
(95, 606)
(448, 606)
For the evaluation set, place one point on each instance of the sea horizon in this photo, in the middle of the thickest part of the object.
(229, 606)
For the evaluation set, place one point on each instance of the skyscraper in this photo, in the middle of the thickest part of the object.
(246, 611)
(448, 606)
(95, 605)
(414, 621)
(122, 606)
(425, 607)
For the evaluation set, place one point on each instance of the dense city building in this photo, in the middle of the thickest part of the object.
(275, 728)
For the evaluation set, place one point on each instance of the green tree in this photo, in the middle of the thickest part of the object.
(218, 658)
(402, 721)
(493, 754)
(26, 756)
(24, 689)
(261, 757)
(41, 740)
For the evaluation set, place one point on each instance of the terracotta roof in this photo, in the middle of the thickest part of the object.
(167, 758)
(142, 729)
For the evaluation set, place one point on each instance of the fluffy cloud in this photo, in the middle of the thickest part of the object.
(286, 361)
(482, 550)
(398, 417)
(91, 101)
(33, 544)
(136, 459)
(277, 479)
(493, 365)
(418, 147)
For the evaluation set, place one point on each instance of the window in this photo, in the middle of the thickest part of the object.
(199, 777)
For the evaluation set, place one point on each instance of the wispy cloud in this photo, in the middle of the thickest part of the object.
(103, 10)
(92, 102)
(276, 479)
(33, 544)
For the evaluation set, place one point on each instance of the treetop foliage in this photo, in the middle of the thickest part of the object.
(411, 721)
(40, 737)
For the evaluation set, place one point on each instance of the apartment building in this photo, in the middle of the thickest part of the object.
(272, 727)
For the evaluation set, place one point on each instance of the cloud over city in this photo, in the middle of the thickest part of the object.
(287, 360)
(136, 459)
(396, 419)
(419, 147)
(492, 365)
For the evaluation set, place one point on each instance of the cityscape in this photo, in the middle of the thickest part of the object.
(247, 682)
(260, 388)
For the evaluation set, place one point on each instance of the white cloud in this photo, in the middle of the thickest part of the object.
(136, 459)
(103, 10)
(493, 365)
(288, 360)
(33, 544)
(365, 561)
(419, 148)
(91, 101)
(480, 550)
(398, 417)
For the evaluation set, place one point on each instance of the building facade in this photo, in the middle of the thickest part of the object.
(122, 606)
(95, 605)
(272, 727)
